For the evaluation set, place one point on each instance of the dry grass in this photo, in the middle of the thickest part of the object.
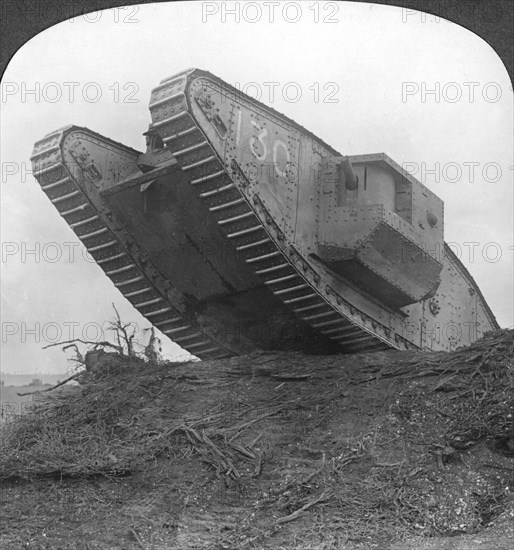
(392, 480)
(111, 424)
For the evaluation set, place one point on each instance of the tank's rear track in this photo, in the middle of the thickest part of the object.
(338, 324)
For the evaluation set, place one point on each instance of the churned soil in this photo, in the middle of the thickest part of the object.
(388, 450)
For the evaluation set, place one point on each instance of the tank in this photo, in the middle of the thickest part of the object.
(237, 229)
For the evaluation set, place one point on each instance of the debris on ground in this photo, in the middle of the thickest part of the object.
(381, 450)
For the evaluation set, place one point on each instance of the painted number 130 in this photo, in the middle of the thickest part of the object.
(259, 146)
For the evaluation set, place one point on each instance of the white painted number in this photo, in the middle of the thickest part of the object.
(263, 133)
(259, 146)
(278, 171)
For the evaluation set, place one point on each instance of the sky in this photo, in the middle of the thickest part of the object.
(365, 78)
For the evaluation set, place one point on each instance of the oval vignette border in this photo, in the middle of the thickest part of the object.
(492, 20)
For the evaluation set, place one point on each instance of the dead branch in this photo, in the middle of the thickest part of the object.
(79, 357)
(53, 387)
(87, 342)
(119, 328)
(297, 513)
(137, 537)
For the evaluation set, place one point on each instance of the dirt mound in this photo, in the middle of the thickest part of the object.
(272, 450)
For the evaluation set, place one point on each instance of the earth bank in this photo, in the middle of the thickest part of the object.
(397, 450)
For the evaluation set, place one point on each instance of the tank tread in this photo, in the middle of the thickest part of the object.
(242, 219)
(243, 226)
(108, 250)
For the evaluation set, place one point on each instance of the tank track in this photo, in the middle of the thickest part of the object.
(252, 231)
(242, 218)
(113, 251)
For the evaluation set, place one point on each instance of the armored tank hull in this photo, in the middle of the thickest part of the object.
(238, 230)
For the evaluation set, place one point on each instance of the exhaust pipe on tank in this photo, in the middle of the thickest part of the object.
(351, 181)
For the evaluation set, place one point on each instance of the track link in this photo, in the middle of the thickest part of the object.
(241, 222)
(113, 252)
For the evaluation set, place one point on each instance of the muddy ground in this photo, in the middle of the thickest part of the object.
(385, 450)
